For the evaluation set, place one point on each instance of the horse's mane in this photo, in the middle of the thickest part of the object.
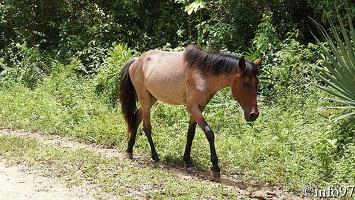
(215, 63)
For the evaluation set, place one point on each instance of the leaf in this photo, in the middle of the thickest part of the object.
(195, 6)
(338, 71)
(332, 142)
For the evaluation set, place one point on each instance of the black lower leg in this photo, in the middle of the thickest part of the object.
(148, 133)
(133, 133)
(210, 137)
(190, 137)
(131, 141)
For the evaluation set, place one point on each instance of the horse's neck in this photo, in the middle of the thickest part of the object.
(219, 82)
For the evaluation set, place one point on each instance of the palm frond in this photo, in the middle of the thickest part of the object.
(338, 70)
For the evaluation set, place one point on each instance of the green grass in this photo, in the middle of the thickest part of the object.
(284, 146)
(69, 109)
(109, 177)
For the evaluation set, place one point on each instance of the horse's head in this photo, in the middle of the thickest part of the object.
(244, 87)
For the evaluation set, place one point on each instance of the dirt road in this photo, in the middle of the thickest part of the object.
(15, 184)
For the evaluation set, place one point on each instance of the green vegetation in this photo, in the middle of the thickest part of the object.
(60, 77)
(290, 144)
(339, 68)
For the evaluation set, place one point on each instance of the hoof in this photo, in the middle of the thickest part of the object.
(190, 170)
(216, 176)
(129, 155)
(158, 164)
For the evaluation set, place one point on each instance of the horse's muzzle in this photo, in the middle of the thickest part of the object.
(253, 116)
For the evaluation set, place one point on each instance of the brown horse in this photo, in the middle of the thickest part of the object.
(188, 78)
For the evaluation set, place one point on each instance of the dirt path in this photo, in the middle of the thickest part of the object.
(17, 184)
(35, 187)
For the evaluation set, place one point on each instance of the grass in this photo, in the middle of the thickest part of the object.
(108, 177)
(281, 147)
(69, 109)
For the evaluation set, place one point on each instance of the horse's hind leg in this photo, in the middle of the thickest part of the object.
(132, 137)
(148, 132)
(147, 101)
(190, 136)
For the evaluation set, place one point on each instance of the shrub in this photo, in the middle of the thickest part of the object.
(338, 69)
(287, 65)
(25, 65)
(107, 80)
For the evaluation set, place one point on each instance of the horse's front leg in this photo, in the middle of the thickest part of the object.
(215, 170)
(196, 114)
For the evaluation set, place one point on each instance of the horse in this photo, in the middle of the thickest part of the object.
(191, 78)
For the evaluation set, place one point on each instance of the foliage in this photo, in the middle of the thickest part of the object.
(86, 32)
(266, 39)
(228, 24)
(287, 65)
(26, 65)
(328, 9)
(64, 104)
(107, 80)
(338, 71)
(60, 29)
(195, 6)
(85, 29)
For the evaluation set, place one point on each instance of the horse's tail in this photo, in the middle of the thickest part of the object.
(128, 97)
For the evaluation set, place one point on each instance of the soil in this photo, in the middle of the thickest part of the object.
(18, 183)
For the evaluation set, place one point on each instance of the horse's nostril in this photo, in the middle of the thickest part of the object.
(253, 116)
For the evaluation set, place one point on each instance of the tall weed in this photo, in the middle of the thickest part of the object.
(107, 80)
(287, 65)
(25, 65)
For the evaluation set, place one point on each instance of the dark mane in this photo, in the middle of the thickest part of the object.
(215, 63)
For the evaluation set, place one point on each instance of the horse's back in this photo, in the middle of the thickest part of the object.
(162, 74)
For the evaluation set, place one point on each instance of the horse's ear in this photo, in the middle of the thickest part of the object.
(241, 63)
(257, 62)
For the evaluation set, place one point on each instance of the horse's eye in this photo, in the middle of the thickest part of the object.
(244, 84)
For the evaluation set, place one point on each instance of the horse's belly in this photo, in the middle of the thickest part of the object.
(170, 99)
(171, 93)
